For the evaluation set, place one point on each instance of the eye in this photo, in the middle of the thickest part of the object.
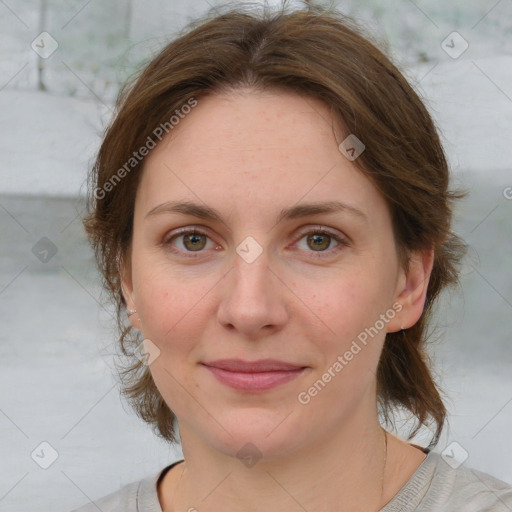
(189, 240)
(320, 240)
(193, 240)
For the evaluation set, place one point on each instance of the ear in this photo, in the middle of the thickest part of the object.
(411, 290)
(125, 272)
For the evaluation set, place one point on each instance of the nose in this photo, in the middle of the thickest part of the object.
(253, 299)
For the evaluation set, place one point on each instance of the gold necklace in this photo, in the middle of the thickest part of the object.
(385, 462)
(383, 471)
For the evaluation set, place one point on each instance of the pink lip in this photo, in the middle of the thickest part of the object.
(253, 376)
(262, 365)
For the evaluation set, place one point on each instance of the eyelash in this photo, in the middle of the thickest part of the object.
(342, 242)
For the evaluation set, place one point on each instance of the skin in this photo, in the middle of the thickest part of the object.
(250, 154)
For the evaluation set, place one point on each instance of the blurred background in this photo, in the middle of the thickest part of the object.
(66, 436)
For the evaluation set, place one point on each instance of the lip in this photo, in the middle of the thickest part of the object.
(254, 376)
(261, 365)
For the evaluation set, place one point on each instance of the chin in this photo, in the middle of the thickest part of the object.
(255, 435)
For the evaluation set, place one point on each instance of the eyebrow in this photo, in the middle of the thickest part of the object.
(293, 212)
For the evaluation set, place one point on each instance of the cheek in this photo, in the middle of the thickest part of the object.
(349, 352)
(339, 315)
(345, 301)
(173, 306)
(174, 311)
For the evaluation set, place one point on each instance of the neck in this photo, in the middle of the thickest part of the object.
(346, 471)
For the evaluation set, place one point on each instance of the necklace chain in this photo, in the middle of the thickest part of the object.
(383, 470)
(385, 462)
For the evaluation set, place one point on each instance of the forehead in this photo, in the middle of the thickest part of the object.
(250, 123)
(262, 148)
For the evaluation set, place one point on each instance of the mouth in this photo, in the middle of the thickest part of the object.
(254, 376)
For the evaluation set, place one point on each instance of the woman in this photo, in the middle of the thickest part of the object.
(270, 209)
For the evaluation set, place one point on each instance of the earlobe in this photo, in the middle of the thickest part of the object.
(131, 312)
(127, 291)
(412, 289)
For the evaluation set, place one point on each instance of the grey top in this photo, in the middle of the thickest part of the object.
(434, 487)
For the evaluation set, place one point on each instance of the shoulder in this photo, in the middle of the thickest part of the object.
(469, 489)
(124, 499)
(437, 486)
(132, 497)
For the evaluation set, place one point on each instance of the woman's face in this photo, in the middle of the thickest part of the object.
(255, 282)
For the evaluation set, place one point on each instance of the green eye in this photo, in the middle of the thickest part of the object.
(194, 241)
(320, 241)
(187, 241)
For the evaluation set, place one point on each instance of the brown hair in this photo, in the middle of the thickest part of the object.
(316, 52)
